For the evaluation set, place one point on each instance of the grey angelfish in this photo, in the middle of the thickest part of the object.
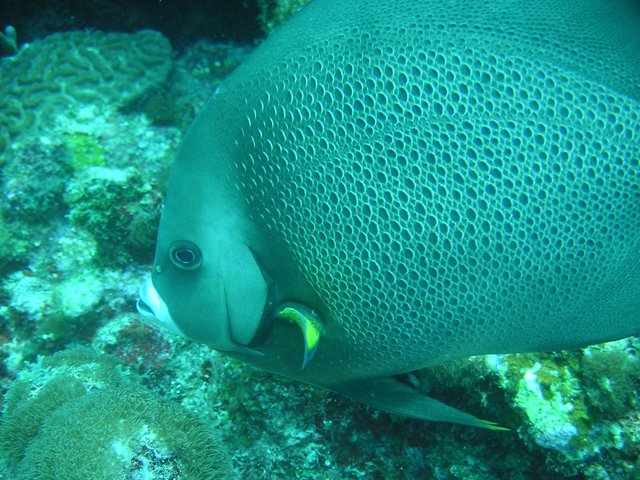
(410, 182)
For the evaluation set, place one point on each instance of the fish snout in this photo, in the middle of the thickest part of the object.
(215, 329)
(236, 312)
(152, 308)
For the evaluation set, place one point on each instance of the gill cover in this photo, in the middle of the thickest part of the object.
(248, 295)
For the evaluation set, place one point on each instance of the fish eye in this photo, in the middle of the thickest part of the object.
(185, 255)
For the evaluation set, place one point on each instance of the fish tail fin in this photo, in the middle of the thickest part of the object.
(391, 396)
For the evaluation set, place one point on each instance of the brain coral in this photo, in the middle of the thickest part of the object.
(60, 71)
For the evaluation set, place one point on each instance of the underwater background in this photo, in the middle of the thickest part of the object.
(95, 97)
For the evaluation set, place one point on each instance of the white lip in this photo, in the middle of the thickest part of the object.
(152, 308)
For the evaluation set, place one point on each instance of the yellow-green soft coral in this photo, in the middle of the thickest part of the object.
(121, 434)
(85, 151)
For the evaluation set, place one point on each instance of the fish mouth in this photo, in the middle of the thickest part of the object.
(144, 310)
(152, 308)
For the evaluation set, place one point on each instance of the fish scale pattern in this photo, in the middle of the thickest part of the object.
(441, 183)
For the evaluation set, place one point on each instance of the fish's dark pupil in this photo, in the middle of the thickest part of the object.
(185, 256)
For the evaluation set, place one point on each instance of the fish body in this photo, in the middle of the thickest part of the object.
(408, 183)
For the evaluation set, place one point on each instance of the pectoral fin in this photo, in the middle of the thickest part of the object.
(391, 396)
(309, 324)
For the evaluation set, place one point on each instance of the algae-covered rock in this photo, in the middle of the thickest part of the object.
(33, 182)
(611, 373)
(198, 72)
(120, 209)
(579, 407)
(274, 12)
(58, 296)
(14, 244)
(59, 72)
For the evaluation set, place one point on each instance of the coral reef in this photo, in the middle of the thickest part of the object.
(14, 244)
(126, 433)
(55, 289)
(580, 407)
(274, 12)
(196, 74)
(69, 69)
(78, 415)
(42, 389)
(611, 375)
(62, 296)
(119, 209)
(33, 183)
